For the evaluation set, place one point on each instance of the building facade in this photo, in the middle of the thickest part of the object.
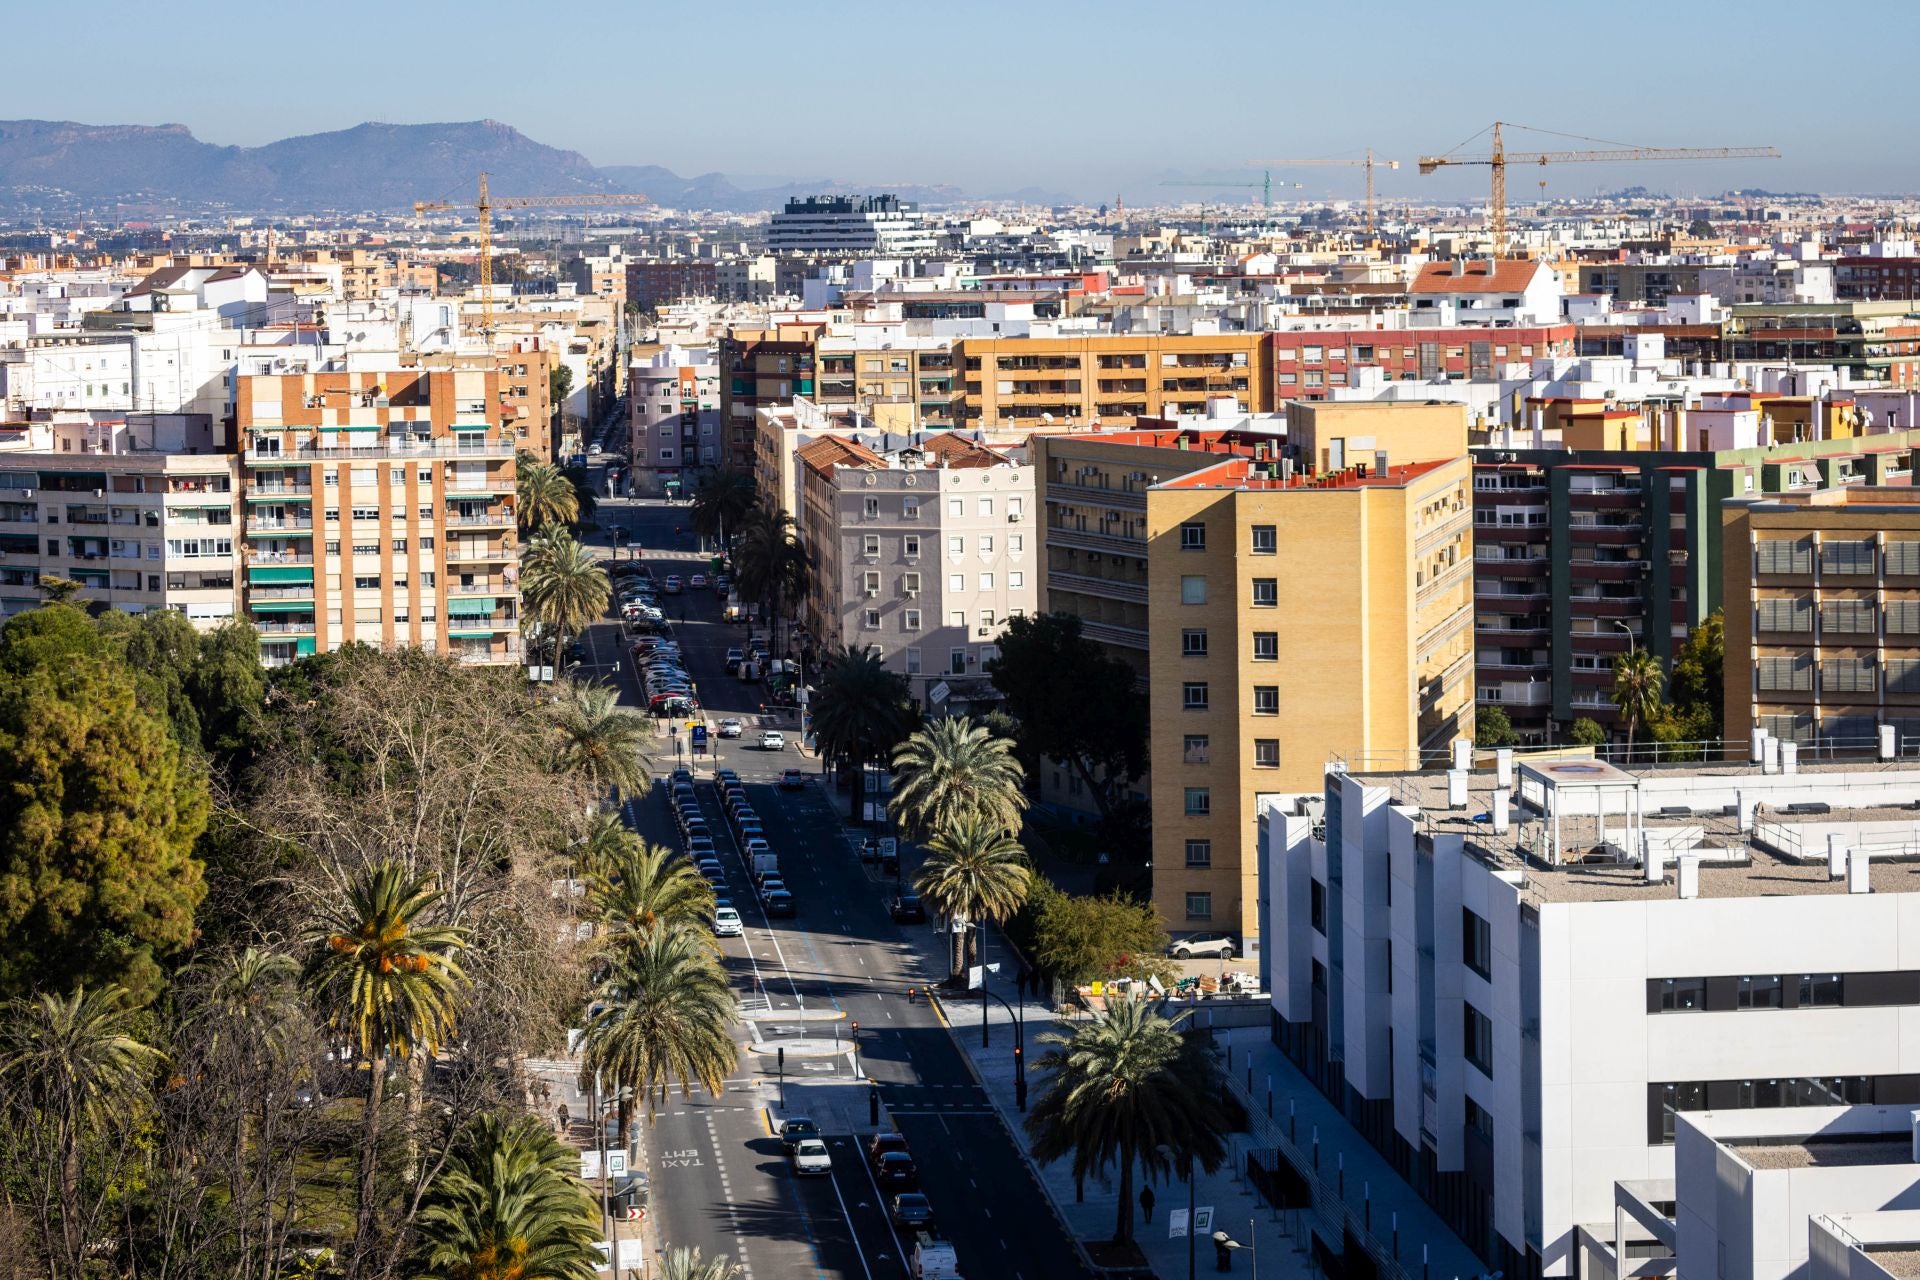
(673, 399)
(851, 226)
(1107, 379)
(760, 368)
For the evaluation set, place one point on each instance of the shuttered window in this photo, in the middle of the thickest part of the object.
(1903, 558)
(1782, 555)
(1903, 617)
(1780, 674)
(1903, 675)
(1846, 675)
(1847, 618)
(1847, 557)
(1784, 613)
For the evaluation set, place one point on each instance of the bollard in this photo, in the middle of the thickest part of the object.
(1249, 1073)
(1269, 1099)
(1396, 1235)
(1293, 1134)
(1342, 1158)
(1316, 1148)
(1366, 1201)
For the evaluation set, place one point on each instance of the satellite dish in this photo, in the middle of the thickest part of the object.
(1046, 417)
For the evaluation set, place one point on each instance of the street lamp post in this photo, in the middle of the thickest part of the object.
(1170, 1154)
(1019, 1019)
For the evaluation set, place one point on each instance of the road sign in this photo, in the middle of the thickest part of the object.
(1203, 1220)
(889, 848)
(699, 735)
(1176, 1224)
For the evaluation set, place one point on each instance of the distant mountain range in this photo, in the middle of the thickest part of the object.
(58, 165)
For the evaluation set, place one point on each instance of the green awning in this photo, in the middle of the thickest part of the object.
(268, 573)
(303, 647)
(474, 607)
(464, 633)
(472, 426)
(278, 497)
(280, 606)
(372, 426)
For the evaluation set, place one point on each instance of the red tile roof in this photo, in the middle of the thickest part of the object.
(1508, 275)
(1239, 473)
(958, 451)
(828, 452)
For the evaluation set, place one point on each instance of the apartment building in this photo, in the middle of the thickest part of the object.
(1648, 283)
(881, 226)
(901, 381)
(1107, 379)
(760, 368)
(922, 553)
(1583, 553)
(673, 401)
(379, 508)
(1870, 340)
(1315, 364)
(525, 363)
(660, 282)
(1822, 596)
(1297, 617)
(143, 515)
(1503, 292)
(1522, 982)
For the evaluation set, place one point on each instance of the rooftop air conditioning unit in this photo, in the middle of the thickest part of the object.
(872, 593)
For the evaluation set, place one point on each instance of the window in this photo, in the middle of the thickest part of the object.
(1016, 543)
(1317, 906)
(956, 546)
(1193, 695)
(910, 620)
(1199, 853)
(1266, 593)
(1266, 540)
(986, 617)
(913, 658)
(1818, 989)
(1014, 507)
(367, 582)
(1266, 699)
(872, 619)
(910, 546)
(1266, 753)
(1476, 943)
(1016, 580)
(956, 506)
(1195, 749)
(1479, 1122)
(1199, 801)
(1193, 537)
(986, 582)
(956, 582)
(870, 545)
(1193, 642)
(871, 581)
(1266, 646)
(986, 545)
(910, 509)
(1193, 589)
(872, 508)
(957, 660)
(400, 546)
(366, 513)
(957, 618)
(1477, 1033)
(1199, 906)
(910, 583)
(1847, 557)
(1761, 993)
(986, 506)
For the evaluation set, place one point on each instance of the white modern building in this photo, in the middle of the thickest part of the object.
(1517, 979)
(854, 226)
(1501, 292)
(674, 416)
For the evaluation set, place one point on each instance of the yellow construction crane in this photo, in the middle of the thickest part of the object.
(1499, 158)
(1367, 163)
(486, 204)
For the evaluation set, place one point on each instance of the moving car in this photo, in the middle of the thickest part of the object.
(908, 909)
(731, 728)
(773, 740)
(810, 1156)
(734, 658)
(1188, 948)
(881, 1143)
(792, 780)
(797, 1130)
(698, 581)
(780, 904)
(672, 585)
(726, 923)
(895, 1171)
(912, 1210)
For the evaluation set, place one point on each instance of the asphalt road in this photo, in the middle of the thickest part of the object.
(719, 1178)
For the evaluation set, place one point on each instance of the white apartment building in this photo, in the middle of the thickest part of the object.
(1505, 292)
(1517, 980)
(674, 416)
(923, 553)
(857, 226)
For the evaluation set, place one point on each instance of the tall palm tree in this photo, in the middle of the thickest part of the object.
(546, 497)
(561, 587)
(585, 501)
(253, 994)
(1121, 1087)
(389, 979)
(975, 872)
(861, 712)
(640, 887)
(770, 564)
(957, 768)
(600, 740)
(1638, 679)
(721, 502)
(70, 1068)
(664, 1016)
(509, 1206)
(687, 1264)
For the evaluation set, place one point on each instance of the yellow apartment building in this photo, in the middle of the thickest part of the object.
(1106, 379)
(1822, 598)
(1298, 617)
(378, 507)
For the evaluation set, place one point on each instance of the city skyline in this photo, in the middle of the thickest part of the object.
(1090, 121)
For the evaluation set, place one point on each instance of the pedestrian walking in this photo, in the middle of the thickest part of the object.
(1146, 1204)
(561, 1119)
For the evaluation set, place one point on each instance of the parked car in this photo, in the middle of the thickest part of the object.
(797, 1130)
(792, 780)
(1213, 945)
(912, 1211)
(883, 1142)
(773, 740)
(895, 1171)
(780, 904)
(727, 923)
(672, 585)
(810, 1156)
(908, 909)
(734, 658)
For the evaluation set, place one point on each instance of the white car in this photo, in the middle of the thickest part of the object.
(726, 923)
(773, 740)
(1214, 945)
(731, 728)
(811, 1156)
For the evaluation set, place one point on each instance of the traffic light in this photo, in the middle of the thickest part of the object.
(856, 1028)
(911, 993)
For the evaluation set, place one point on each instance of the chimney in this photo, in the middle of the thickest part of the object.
(1500, 811)
(1743, 806)
(1462, 754)
(1539, 427)
(1889, 742)
(1652, 864)
(1859, 872)
(1771, 762)
(1789, 757)
(1503, 766)
(1836, 856)
(1459, 266)
(1759, 746)
(1689, 864)
(1456, 788)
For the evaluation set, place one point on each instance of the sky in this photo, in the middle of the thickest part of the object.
(1075, 96)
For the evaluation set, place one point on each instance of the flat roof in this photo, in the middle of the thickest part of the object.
(1828, 1153)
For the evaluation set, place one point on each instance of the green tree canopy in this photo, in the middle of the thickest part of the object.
(1492, 728)
(1079, 939)
(1697, 687)
(98, 816)
(1586, 732)
(1074, 702)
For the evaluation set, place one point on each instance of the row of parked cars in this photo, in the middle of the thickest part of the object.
(696, 839)
(751, 836)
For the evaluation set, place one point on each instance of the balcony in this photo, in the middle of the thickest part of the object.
(1083, 540)
(466, 444)
(1504, 589)
(1060, 493)
(275, 557)
(284, 626)
(1088, 584)
(1611, 535)
(491, 520)
(304, 592)
(488, 588)
(470, 552)
(1108, 633)
(1608, 606)
(258, 527)
(508, 653)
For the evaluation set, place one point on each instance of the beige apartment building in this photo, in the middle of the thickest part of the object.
(1297, 617)
(1822, 598)
(379, 507)
(1106, 379)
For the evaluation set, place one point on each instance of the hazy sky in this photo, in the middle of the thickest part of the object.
(994, 95)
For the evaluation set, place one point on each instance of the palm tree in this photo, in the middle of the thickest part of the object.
(769, 563)
(957, 768)
(664, 1015)
(70, 1067)
(975, 872)
(585, 501)
(546, 497)
(252, 994)
(509, 1206)
(687, 1264)
(561, 587)
(600, 740)
(639, 887)
(389, 980)
(861, 712)
(721, 502)
(1121, 1087)
(1637, 681)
